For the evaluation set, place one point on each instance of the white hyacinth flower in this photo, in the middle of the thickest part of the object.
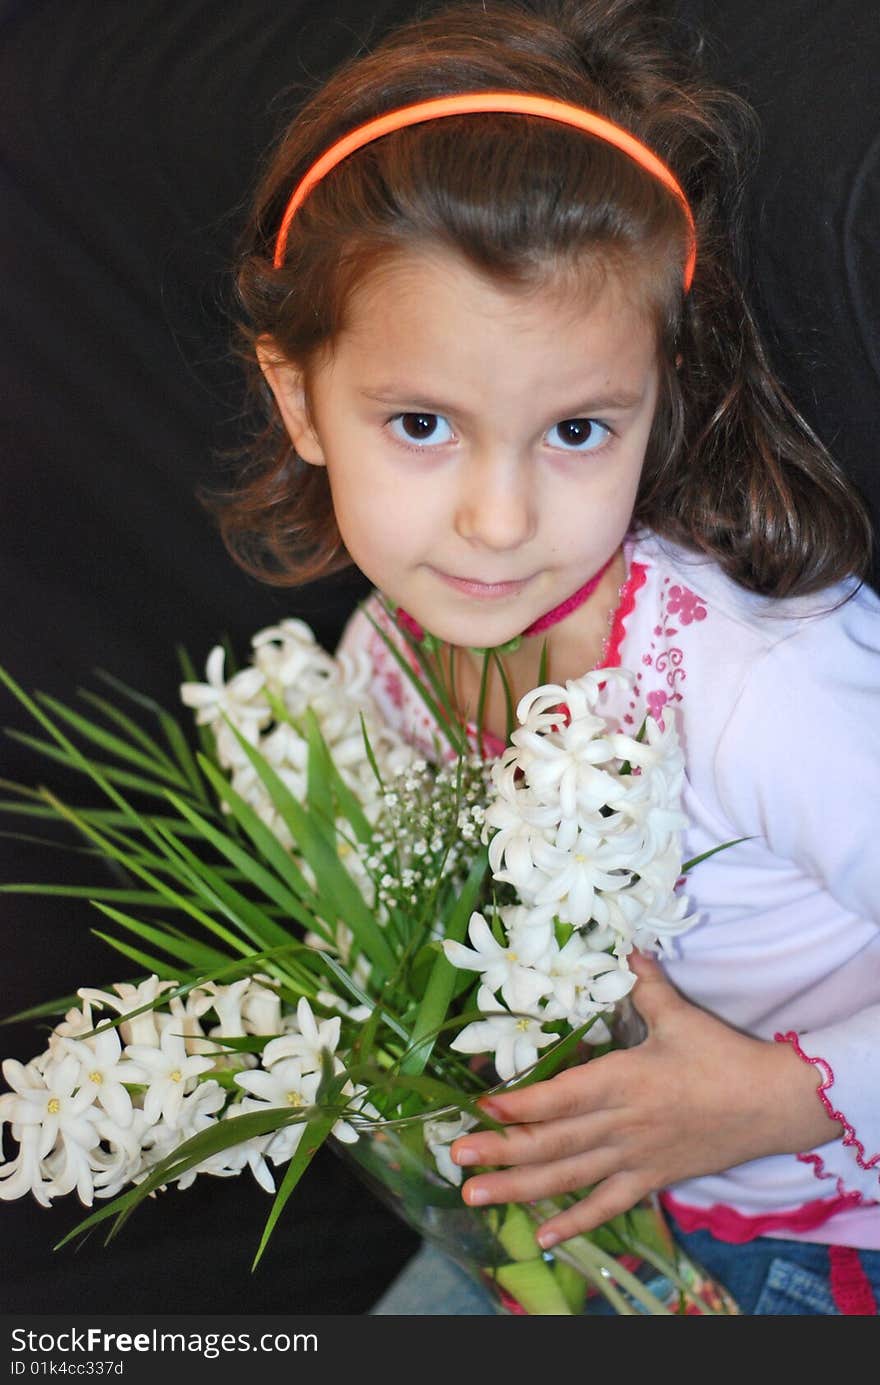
(504, 969)
(101, 1064)
(512, 1040)
(140, 1029)
(50, 1115)
(169, 1072)
(238, 699)
(439, 1135)
(306, 1044)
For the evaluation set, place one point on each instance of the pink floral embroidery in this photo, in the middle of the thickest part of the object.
(656, 702)
(394, 688)
(665, 658)
(686, 604)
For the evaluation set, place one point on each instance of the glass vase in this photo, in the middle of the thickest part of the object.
(630, 1265)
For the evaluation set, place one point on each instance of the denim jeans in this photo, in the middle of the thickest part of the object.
(767, 1277)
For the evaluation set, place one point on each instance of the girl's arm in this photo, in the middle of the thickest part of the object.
(798, 765)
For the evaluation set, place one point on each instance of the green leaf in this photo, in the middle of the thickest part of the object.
(171, 896)
(113, 745)
(111, 773)
(439, 990)
(482, 695)
(132, 729)
(250, 867)
(347, 802)
(335, 886)
(193, 954)
(216, 893)
(446, 722)
(143, 959)
(510, 713)
(695, 860)
(224, 1134)
(316, 1132)
(544, 665)
(269, 848)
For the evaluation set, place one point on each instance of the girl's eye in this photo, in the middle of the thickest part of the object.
(578, 434)
(423, 430)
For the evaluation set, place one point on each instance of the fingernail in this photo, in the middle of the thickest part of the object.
(491, 1108)
(465, 1155)
(476, 1197)
(546, 1239)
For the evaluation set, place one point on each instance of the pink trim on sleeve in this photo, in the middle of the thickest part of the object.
(849, 1136)
(726, 1224)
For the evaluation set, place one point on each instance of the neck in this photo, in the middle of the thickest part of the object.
(571, 603)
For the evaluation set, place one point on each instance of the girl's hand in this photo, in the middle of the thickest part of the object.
(695, 1097)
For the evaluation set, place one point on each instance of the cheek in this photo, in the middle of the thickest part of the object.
(375, 521)
(595, 513)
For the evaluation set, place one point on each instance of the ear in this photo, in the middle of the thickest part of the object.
(287, 383)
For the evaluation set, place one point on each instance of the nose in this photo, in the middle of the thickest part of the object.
(496, 503)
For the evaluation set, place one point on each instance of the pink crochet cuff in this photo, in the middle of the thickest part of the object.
(849, 1135)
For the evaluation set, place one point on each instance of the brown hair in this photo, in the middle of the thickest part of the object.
(731, 469)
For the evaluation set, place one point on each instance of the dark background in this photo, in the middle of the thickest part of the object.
(130, 137)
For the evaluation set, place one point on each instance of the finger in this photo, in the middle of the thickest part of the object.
(569, 1093)
(529, 1182)
(532, 1144)
(653, 994)
(610, 1198)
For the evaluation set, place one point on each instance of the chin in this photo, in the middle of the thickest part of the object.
(476, 636)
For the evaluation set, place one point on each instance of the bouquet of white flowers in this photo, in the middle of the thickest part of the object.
(350, 941)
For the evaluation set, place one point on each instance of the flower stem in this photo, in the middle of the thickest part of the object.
(585, 1256)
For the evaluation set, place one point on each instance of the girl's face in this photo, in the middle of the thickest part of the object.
(483, 444)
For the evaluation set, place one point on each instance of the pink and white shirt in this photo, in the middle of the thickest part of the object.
(777, 704)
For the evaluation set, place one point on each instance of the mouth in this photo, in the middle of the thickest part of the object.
(485, 591)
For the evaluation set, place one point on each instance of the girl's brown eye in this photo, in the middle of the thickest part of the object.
(578, 434)
(421, 429)
(418, 426)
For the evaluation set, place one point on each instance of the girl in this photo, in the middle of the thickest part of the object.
(514, 381)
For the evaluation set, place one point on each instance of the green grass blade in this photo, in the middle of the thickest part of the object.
(249, 918)
(170, 727)
(144, 960)
(441, 983)
(170, 896)
(224, 1134)
(183, 949)
(148, 898)
(316, 1132)
(322, 768)
(695, 860)
(250, 867)
(335, 885)
(135, 732)
(446, 724)
(109, 743)
(269, 848)
(510, 713)
(112, 774)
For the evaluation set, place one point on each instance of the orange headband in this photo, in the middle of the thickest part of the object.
(513, 102)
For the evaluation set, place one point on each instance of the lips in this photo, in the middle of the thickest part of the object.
(487, 591)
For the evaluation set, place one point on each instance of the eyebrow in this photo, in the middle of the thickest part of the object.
(395, 393)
